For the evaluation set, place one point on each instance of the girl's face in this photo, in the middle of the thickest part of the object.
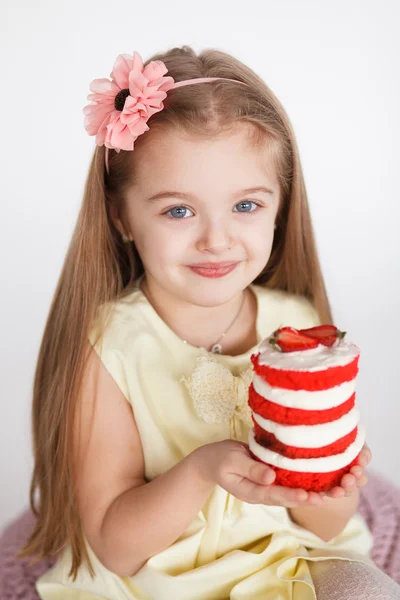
(192, 205)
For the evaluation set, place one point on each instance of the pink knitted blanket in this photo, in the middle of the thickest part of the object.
(380, 506)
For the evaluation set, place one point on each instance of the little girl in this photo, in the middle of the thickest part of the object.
(194, 242)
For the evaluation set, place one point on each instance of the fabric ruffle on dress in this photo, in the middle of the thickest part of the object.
(218, 395)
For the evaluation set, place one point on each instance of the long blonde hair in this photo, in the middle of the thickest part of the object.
(99, 268)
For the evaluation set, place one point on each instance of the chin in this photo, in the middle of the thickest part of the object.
(209, 300)
(212, 292)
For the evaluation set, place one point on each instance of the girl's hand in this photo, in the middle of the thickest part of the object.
(229, 465)
(355, 479)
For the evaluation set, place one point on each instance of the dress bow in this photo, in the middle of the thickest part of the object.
(218, 395)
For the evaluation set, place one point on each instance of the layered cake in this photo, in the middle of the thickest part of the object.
(302, 396)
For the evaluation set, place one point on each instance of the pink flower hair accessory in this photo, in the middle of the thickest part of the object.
(119, 109)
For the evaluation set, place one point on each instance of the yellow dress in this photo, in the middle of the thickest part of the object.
(184, 397)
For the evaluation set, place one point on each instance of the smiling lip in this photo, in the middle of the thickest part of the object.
(214, 270)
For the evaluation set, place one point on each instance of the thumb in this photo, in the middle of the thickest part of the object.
(254, 470)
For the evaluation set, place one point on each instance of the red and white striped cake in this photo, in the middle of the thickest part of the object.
(306, 424)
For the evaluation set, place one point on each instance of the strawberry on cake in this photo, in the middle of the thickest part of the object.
(306, 424)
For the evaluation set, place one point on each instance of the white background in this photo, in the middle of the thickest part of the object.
(335, 68)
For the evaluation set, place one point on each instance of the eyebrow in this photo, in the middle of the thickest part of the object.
(188, 196)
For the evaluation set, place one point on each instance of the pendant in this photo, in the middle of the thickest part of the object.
(216, 349)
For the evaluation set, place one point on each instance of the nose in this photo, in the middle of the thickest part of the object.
(215, 237)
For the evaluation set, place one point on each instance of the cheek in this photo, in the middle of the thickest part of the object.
(160, 246)
(259, 241)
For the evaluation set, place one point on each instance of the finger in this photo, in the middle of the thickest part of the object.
(251, 469)
(261, 474)
(357, 471)
(348, 482)
(365, 456)
(336, 492)
(315, 498)
(285, 496)
(362, 482)
(368, 450)
(250, 492)
(272, 495)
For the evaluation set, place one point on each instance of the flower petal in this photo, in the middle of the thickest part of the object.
(92, 123)
(154, 70)
(98, 112)
(138, 128)
(153, 92)
(102, 131)
(95, 115)
(118, 135)
(154, 103)
(166, 83)
(104, 99)
(137, 83)
(134, 116)
(130, 103)
(104, 87)
(123, 65)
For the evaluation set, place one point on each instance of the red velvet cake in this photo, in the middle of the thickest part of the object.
(306, 424)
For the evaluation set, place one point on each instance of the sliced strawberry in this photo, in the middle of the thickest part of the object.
(320, 331)
(289, 339)
(325, 334)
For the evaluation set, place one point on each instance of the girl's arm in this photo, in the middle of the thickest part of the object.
(125, 519)
(329, 519)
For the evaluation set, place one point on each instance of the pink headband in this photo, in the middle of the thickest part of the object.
(120, 108)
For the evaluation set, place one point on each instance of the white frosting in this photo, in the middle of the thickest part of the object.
(322, 357)
(311, 436)
(324, 464)
(318, 400)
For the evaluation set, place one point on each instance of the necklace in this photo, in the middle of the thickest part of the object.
(217, 348)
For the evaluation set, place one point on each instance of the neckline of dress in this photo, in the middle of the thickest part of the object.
(256, 290)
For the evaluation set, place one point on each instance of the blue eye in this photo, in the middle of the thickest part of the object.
(245, 206)
(178, 212)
